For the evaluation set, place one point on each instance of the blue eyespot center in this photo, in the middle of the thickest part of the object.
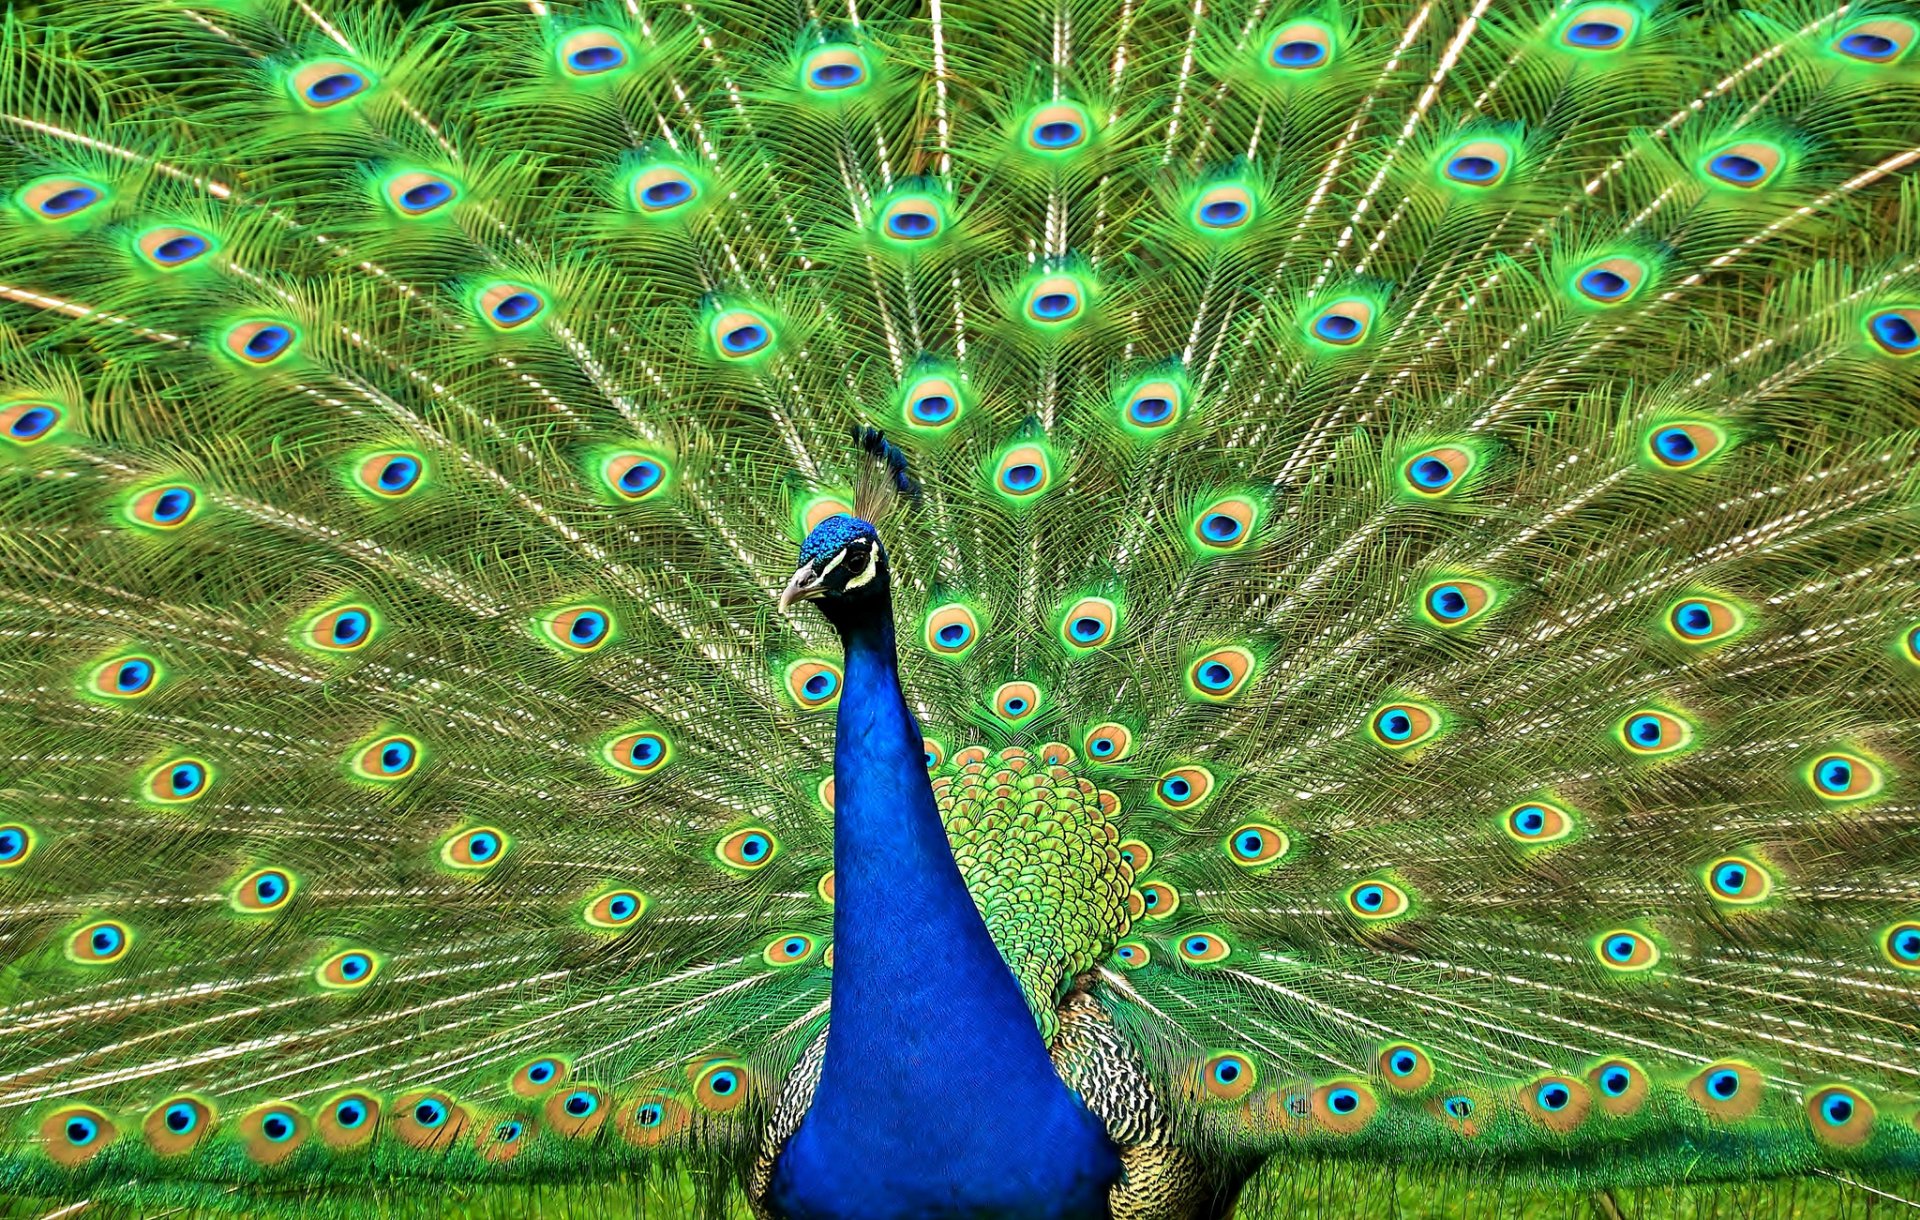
(181, 249)
(1016, 705)
(1906, 945)
(172, 505)
(745, 338)
(1343, 1101)
(540, 1072)
(640, 477)
(1102, 746)
(1694, 618)
(1734, 167)
(336, 87)
(350, 1114)
(1596, 35)
(580, 1104)
(12, 843)
(1057, 134)
(69, 201)
(185, 778)
(1676, 444)
(837, 75)
(1604, 283)
(1620, 948)
(1836, 775)
(349, 627)
(587, 628)
(430, 1113)
(1197, 945)
(1723, 1084)
(426, 196)
(1396, 725)
(646, 751)
(1215, 676)
(1447, 602)
(1249, 843)
(1431, 473)
(399, 474)
(723, 1082)
(133, 675)
(32, 423)
(1150, 410)
(1646, 730)
(1458, 1107)
(667, 193)
(1473, 168)
(599, 58)
(354, 965)
(517, 308)
(1299, 53)
(277, 1127)
(1337, 327)
(1151, 899)
(1403, 1062)
(507, 1133)
(81, 1130)
(1054, 305)
(1088, 628)
(482, 846)
(754, 846)
(1837, 1109)
(270, 887)
(181, 1118)
(794, 947)
(1221, 527)
(1223, 212)
(395, 756)
(1614, 1081)
(1226, 1071)
(1176, 788)
(1023, 477)
(1730, 878)
(105, 940)
(911, 224)
(1895, 332)
(621, 907)
(649, 1115)
(269, 341)
(1369, 897)
(1554, 1097)
(933, 409)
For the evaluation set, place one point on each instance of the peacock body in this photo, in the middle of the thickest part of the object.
(1382, 629)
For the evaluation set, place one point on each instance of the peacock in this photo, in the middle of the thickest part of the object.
(956, 608)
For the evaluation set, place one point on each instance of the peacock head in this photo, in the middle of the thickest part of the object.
(843, 566)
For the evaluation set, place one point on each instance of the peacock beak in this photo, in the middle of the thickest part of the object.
(807, 583)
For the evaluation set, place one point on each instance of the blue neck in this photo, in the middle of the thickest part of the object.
(936, 1085)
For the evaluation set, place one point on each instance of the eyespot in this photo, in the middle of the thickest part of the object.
(747, 849)
(509, 306)
(662, 189)
(24, 423)
(1456, 601)
(1301, 46)
(1184, 787)
(1727, 1090)
(1158, 900)
(1204, 948)
(263, 891)
(789, 950)
(165, 508)
(1896, 332)
(721, 1085)
(825, 793)
(640, 753)
(1703, 620)
(1436, 472)
(1683, 445)
(952, 630)
(1840, 776)
(326, 83)
(177, 1125)
(1225, 525)
(1131, 954)
(1883, 40)
(353, 968)
(1650, 731)
(1372, 900)
(1153, 405)
(502, 1142)
(1343, 1107)
(1477, 163)
(100, 943)
(1460, 1111)
(1747, 165)
(473, 849)
(1738, 880)
(740, 333)
(1014, 702)
(831, 70)
(1558, 1103)
(912, 219)
(1841, 1117)
(1910, 644)
(73, 1135)
(1055, 300)
(1345, 323)
(1089, 623)
(1136, 855)
(348, 1121)
(389, 758)
(615, 909)
(1599, 27)
(61, 198)
(273, 1132)
(1058, 128)
(813, 684)
(1626, 951)
(1226, 1076)
(592, 53)
(652, 1121)
(262, 341)
(125, 677)
(1405, 1067)
(390, 475)
(935, 752)
(1223, 208)
(633, 476)
(427, 1120)
(17, 842)
(1401, 726)
(1253, 844)
(1901, 944)
(578, 1112)
(343, 629)
(1109, 742)
(931, 403)
(1536, 823)
(1220, 674)
(1619, 1086)
(179, 781)
(416, 193)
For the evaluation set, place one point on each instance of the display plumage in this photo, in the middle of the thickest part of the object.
(1408, 614)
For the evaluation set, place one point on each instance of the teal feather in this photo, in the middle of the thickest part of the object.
(1415, 398)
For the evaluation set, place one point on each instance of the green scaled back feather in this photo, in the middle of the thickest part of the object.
(1482, 439)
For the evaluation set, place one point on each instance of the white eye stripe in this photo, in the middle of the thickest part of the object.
(837, 557)
(866, 574)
